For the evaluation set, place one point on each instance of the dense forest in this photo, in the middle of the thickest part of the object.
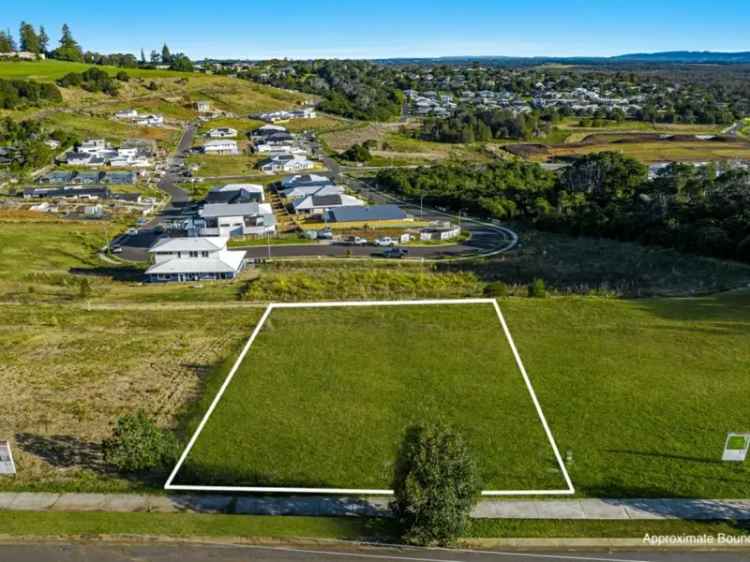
(692, 209)
(354, 89)
(470, 125)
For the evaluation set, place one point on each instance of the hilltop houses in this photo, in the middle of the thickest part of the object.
(97, 152)
(147, 120)
(275, 116)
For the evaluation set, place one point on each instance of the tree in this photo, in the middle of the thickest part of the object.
(138, 445)
(43, 39)
(436, 484)
(28, 39)
(69, 49)
(7, 43)
(537, 289)
(143, 57)
(181, 62)
(356, 153)
(155, 57)
(166, 56)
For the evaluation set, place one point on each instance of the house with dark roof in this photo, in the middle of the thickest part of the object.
(373, 213)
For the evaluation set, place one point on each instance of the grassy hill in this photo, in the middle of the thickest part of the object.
(163, 91)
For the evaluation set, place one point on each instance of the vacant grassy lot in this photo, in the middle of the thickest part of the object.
(640, 393)
(225, 165)
(72, 371)
(576, 133)
(309, 407)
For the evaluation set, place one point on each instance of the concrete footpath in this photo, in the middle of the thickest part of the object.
(600, 509)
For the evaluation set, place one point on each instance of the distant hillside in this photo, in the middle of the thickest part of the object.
(696, 57)
(667, 57)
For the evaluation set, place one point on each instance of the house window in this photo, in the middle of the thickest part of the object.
(193, 254)
(204, 254)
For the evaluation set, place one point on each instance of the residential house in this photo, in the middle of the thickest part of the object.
(193, 259)
(222, 133)
(67, 192)
(150, 120)
(288, 163)
(220, 147)
(440, 230)
(364, 214)
(321, 204)
(236, 193)
(119, 178)
(203, 106)
(127, 114)
(304, 179)
(302, 191)
(240, 219)
(56, 177)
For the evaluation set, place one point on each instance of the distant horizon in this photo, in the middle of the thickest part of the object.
(419, 29)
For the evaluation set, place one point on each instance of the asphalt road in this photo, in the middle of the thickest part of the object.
(102, 552)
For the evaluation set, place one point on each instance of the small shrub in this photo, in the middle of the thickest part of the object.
(123, 76)
(138, 445)
(537, 289)
(496, 289)
(84, 289)
(435, 485)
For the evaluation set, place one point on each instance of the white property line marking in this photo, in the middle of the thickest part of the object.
(362, 491)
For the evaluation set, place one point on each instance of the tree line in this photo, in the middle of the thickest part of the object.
(68, 49)
(690, 208)
(29, 143)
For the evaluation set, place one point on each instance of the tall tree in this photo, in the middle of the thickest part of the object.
(166, 56)
(143, 57)
(69, 49)
(7, 43)
(28, 39)
(155, 57)
(43, 39)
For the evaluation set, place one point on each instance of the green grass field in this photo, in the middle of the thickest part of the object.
(641, 393)
(48, 70)
(325, 397)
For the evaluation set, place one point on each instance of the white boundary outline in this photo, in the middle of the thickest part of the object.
(570, 490)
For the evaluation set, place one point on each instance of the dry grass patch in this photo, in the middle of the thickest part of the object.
(71, 373)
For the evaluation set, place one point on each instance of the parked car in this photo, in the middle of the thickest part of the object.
(397, 253)
(385, 241)
(356, 241)
(132, 232)
(325, 234)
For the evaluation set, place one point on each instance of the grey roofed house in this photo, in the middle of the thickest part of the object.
(216, 210)
(68, 192)
(305, 180)
(57, 176)
(120, 178)
(88, 178)
(233, 197)
(366, 214)
(197, 244)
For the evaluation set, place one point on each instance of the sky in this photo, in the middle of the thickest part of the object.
(301, 29)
